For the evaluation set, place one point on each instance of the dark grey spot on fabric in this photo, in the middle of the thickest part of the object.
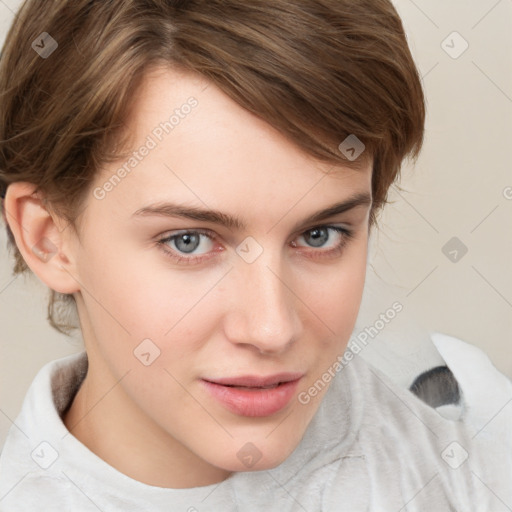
(436, 387)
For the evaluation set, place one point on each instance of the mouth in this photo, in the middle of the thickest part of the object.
(255, 382)
(254, 396)
(253, 388)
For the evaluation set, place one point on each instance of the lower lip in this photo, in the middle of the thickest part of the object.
(254, 403)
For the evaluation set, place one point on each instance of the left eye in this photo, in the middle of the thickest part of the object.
(318, 237)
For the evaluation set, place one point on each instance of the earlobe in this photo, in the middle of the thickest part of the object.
(41, 237)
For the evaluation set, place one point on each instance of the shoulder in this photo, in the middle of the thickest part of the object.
(413, 453)
(468, 381)
(39, 491)
(33, 449)
(485, 392)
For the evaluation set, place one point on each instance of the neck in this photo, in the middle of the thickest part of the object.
(103, 418)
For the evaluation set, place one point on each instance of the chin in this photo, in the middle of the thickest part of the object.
(254, 453)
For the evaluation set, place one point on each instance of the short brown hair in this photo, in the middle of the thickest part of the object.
(316, 70)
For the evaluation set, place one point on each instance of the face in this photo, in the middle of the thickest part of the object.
(210, 297)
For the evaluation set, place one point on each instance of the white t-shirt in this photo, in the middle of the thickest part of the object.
(372, 446)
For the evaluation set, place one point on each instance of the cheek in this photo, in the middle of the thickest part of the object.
(139, 297)
(348, 293)
(335, 293)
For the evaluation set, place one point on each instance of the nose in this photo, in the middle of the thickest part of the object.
(263, 310)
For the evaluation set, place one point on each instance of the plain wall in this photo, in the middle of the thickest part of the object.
(458, 188)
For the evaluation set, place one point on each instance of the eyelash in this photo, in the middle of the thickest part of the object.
(346, 236)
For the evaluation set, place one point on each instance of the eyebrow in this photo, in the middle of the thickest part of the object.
(235, 223)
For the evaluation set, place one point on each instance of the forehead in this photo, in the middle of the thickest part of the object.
(190, 141)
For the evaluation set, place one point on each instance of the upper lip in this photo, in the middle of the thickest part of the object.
(254, 381)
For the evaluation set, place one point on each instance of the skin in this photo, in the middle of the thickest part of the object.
(292, 309)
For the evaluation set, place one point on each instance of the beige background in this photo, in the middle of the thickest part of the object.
(456, 189)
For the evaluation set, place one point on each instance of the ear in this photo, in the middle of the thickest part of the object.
(43, 238)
